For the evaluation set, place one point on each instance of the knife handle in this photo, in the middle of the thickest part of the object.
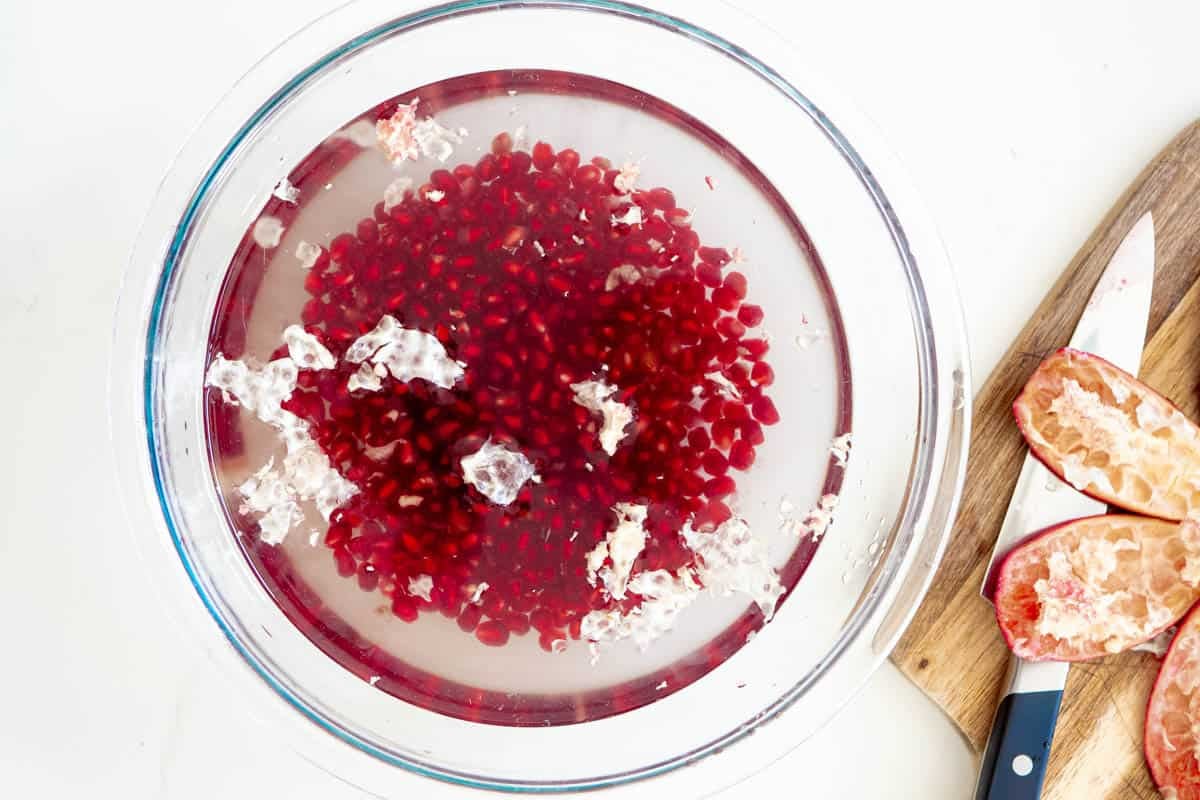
(1018, 748)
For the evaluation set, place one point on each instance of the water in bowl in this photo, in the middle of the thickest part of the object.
(494, 252)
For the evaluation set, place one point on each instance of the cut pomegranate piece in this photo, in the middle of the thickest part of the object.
(1172, 730)
(1097, 585)
(1111, 436)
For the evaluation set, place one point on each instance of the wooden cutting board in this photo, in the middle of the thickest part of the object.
(953, 650)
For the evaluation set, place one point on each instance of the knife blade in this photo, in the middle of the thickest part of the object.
(1113, 326)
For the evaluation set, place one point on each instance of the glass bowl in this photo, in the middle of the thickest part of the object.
(866, 337)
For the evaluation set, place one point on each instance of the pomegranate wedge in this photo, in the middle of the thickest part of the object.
(1111, 436)
(1096, 586)
(1172, 730)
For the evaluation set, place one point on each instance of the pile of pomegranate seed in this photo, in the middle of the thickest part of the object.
(536, 271)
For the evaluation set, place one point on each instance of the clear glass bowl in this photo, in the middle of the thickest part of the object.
(904, 364)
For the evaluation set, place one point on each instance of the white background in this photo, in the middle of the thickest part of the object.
(1020, 127)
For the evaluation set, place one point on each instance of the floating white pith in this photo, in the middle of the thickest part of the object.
(268, 231)
(307, 474)
(406, 353)
(596, 396)
(497, 472)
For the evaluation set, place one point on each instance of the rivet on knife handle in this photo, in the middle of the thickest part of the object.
(1018, 749)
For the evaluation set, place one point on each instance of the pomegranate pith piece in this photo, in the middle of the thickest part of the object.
(1097, 586)
(1108, 434)
(536, 273)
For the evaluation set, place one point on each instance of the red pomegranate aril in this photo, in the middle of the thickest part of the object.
(337, 536)
(568, 161)
(492, 633)
(724, 298)
(764, 411)
(750, 315)
(469, 618)
(720, 486)
(341, 246)
(485, 168)
(741, 455)
(734, 411)
(368, 231)
(661, 198)
(368, 577)
(517, 624)
(711, 410)
(755, 349)
(709, 274)
(346, 565)
(405, 608)
(736, 282)
(722, 433)
(543, 156)
(730, 328)
(717, 256)
(587, 176)
(752, 432)
(762, 374)
(714, 463)
(502, 143)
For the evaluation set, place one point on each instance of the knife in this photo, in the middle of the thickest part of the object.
(1113, 326)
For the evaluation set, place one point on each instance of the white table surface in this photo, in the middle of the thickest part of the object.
(1019, 126)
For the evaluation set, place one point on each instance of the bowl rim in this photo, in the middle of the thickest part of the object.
(940, 456)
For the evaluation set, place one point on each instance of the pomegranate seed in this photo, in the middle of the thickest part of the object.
(587, 175)
(709, 274)
(469, 618)
(741, 455)
(337, 536)
(734, 411)
(722, 434)
(725, 298)
(404, 608)
(755, 349)
(541, 620)
(543, 156)
(717, 256)
(711, 410)
(720, 486)
(730, 328)
(368, 231)
(762, 374)
(661, 198)
(345, 563)
(714, 463)
(518, 624)
(750, 315)
(568, 161)
(736, 282)
(502, 143)
(764, 411)
(492, 633)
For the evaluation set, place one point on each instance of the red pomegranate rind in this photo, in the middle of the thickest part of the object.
(1096, 586)
(1111, 436)
(1171, 731)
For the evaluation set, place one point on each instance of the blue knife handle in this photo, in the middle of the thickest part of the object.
(1014, 763)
